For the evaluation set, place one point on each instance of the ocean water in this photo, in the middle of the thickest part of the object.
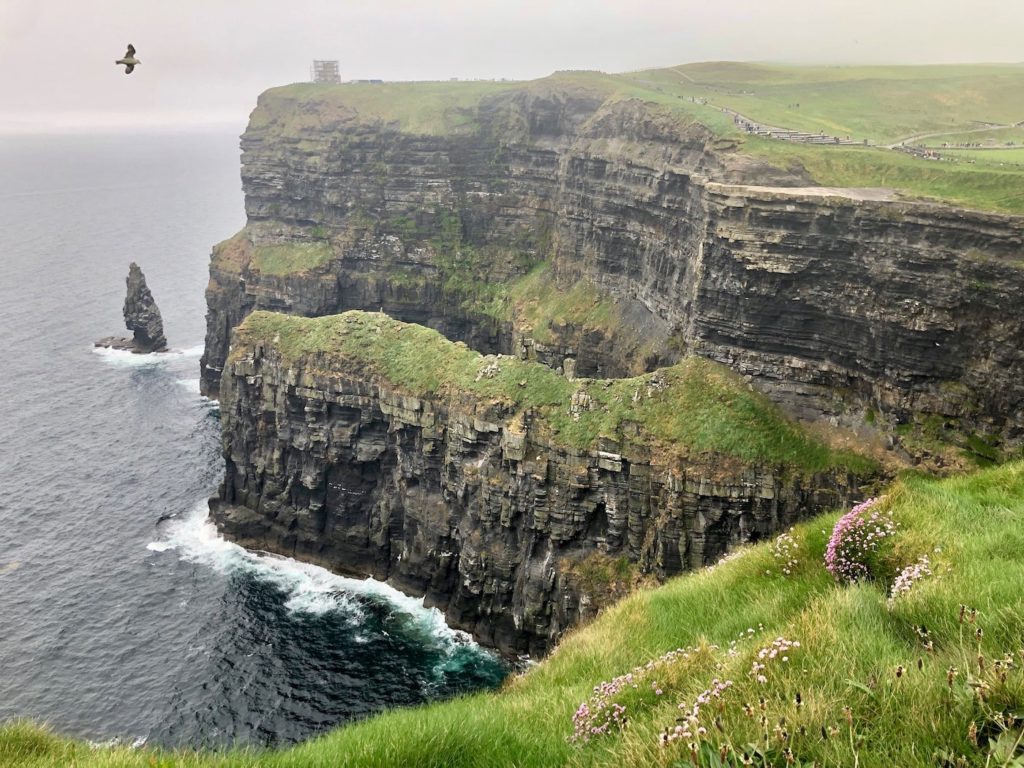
(122, 613)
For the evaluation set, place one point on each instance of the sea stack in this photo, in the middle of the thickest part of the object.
(141, 316)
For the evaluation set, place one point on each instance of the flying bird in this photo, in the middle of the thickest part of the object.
(129, 60)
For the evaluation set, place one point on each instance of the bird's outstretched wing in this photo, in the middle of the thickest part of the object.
(129, 68)
(131, 51)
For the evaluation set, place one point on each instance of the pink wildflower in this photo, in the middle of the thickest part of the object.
(855, 538)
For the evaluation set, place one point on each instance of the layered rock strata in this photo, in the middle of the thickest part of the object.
(353, 442)
(141, 316)
(836, 302)
(668, 245)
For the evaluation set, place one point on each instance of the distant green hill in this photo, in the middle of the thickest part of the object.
(925, 105)
(883, 104)
(932, 676)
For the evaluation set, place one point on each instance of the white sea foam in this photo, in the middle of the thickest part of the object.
(194, 351)
(190, 385)
(123, 358)
(310, 589)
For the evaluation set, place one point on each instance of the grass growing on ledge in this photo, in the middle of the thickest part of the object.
(983, 186)
(540, 304)
(873, 688)
(233, 254)
(291, 258)
(694, 407)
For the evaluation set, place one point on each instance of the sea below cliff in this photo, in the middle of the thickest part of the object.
(124, 614)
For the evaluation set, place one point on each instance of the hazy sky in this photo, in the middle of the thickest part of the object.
(205, 61)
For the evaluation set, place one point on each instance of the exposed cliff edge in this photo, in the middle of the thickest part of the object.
(141, 316)
(516, 500)
(839, 304)
(603, 238)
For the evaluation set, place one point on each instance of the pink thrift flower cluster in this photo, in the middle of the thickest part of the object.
(777, 650)
(909, 576)
(784, 548)
(690, 727)
(601, 713)
(855, 538)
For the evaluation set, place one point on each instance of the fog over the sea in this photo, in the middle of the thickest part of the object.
(205, 61)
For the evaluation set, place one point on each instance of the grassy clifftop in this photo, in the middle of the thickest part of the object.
(931, 676)
(694, 407)
(883, 105)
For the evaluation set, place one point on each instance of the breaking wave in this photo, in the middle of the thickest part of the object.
(309, 589)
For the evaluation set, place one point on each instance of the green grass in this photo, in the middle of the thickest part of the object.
(695, 407)
(883, 103)
(852, 643)
(542, 309)
(987, 138)
(427, 108)
(542, 304)
(982, 187)
(233, 254)
(999, 158)
(291, 258)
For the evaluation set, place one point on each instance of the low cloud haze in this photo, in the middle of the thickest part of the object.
(205, 61)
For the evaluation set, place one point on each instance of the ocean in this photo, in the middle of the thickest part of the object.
(123, 614)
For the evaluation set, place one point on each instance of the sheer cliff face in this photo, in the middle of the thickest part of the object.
(470, 500)
(836, 304)
(833, 304)
(420, 225)
(911, 309)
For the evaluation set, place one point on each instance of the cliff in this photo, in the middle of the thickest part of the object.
(846, 304)
(516, 500)
(605, 253)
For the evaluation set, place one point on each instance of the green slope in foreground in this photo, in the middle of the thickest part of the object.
(913, 681)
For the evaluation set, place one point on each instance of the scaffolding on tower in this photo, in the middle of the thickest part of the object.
(325, 71)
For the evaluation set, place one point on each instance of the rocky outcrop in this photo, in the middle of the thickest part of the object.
(141, 316)
(469, 495)
(836, 303)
